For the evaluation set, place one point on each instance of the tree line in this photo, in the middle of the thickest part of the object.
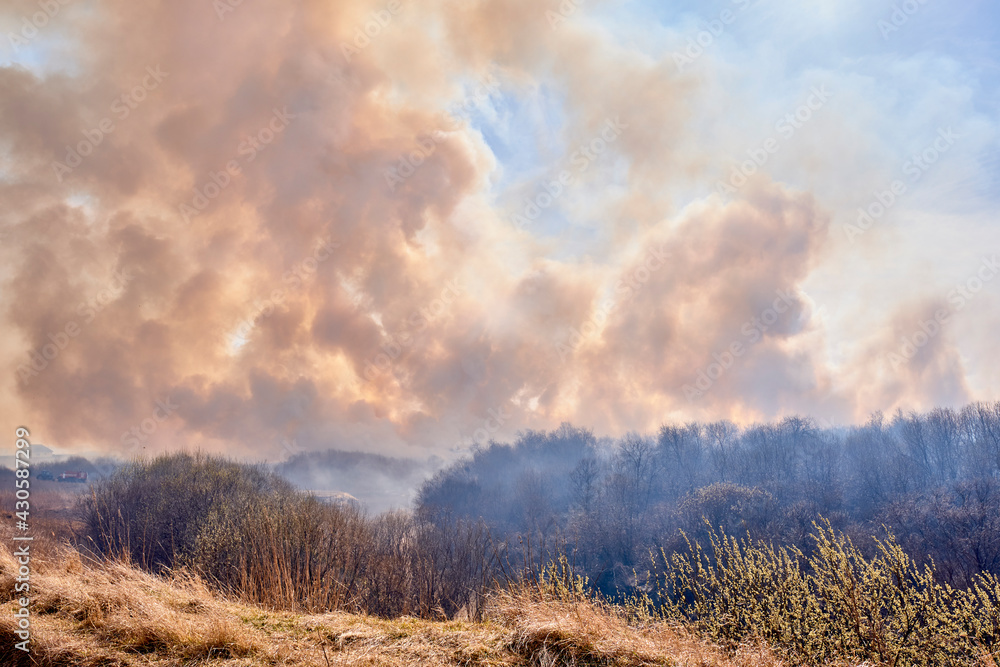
(933, 478)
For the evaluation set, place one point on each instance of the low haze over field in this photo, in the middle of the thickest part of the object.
(402, 228)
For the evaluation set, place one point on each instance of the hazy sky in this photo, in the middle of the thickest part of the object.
(396, 226)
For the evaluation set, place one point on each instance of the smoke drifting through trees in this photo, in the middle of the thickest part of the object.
(817, 519)
(507, 511)
(933, 478)
(380, 483)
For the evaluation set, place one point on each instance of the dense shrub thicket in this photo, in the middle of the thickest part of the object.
(250, 533)
(833, 604)
(836, 606)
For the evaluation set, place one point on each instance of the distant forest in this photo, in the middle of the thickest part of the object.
(606, 505)
(933, 479)
(813, 539)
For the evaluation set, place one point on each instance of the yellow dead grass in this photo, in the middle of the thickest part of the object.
(91, 614)
(586, 633)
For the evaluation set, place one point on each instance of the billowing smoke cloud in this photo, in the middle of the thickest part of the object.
(229, 226)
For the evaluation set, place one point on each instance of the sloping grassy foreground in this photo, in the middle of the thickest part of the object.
(89, 614)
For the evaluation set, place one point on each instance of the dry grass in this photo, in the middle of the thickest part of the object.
(52, 515)
(553, 632)
(86, 615)
(92, 614)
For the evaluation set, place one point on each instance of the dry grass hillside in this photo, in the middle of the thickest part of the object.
(290, 581)
(89, 614)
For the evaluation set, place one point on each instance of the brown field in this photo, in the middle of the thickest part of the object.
(92, 613)
(102, 614)
(106, 611)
